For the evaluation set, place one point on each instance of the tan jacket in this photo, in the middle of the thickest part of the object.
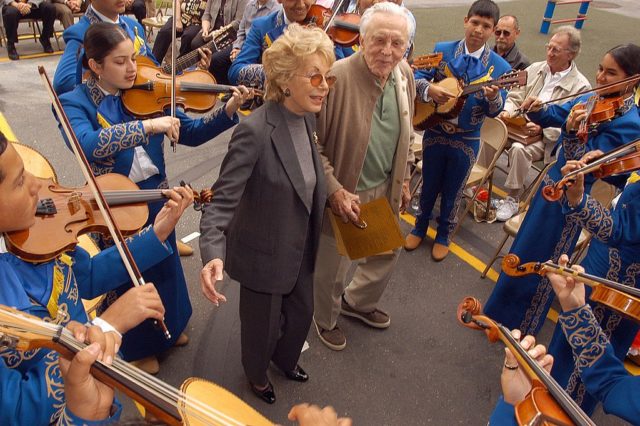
(344, 125)
(571, 83)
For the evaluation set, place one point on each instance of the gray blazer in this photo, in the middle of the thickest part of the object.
(257, 221)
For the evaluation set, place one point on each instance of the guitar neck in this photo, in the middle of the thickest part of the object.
(473, 88)
(147, 390)
(190, 59)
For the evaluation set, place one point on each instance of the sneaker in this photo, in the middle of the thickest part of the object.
(333, 339)
(375, 319)
(507, 209)
(13, 53)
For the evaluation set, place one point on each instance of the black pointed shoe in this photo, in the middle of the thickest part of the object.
(12, 52)
(267, 394)
(46, 45)
(297, 374)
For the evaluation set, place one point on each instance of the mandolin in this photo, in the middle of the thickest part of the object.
(428, 114)
(197, 402)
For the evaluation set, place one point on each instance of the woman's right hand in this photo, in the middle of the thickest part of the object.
(168, 125)
(134, 306)
(212, 273)
(570, 292)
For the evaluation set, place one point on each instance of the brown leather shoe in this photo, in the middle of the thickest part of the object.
(333, 339)
(183, 339)
(412, 242)
(439, 252)
(184, 250)
(149, 364)
(375, 319)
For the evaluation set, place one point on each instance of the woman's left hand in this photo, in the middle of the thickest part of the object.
(240, 95)
(515, 383)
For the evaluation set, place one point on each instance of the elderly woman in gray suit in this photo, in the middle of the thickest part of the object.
(263, 224)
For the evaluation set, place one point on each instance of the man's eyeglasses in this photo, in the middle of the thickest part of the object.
(316, 79)
(499, 33)
(554, 49)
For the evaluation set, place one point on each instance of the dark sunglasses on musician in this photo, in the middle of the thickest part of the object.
(500, 32)
(317, 78)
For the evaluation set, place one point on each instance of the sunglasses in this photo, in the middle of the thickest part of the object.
(505, 32)
(317, 79)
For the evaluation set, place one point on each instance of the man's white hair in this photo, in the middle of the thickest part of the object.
(388, 9)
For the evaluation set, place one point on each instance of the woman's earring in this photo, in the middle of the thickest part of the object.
(287, 92)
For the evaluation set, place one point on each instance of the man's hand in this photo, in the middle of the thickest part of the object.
(533, 129)
(312, 415)
(178, 200)
(24, 8)
(531, 104)
(136, 305)
(179, 26)
(504, 115)
(491, 92)
(406, 196)
(346, 205)
(233, 54)
(206, 28)
(440, 95)
(205, 58)
(212, 273)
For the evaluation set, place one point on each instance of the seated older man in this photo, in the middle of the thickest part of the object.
(554, 78)
(364, 139)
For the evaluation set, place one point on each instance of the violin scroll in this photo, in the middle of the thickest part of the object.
(512, 267)
(469, 307)
(553, 192)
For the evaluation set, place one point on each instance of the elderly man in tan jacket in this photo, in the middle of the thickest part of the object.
(365, 135)
(554, 78)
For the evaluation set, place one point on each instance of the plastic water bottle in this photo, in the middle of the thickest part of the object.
(415, 201)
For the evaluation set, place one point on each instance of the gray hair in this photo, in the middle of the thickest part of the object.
(575, 39)
(389, 9)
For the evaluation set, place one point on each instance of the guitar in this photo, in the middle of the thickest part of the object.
(430, 60)
(428, 114)
(197, 402)
(220, 39)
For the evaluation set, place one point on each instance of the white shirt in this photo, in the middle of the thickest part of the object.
(550, 82)
(104, 18)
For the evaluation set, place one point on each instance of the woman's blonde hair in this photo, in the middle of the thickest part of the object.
(287, 54)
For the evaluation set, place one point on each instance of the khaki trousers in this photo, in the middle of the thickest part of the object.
(521, 158)
(369, 280)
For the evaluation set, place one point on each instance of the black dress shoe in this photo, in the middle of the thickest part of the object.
(13, 53)
(297, 374)
(267, 394)
(46, 45)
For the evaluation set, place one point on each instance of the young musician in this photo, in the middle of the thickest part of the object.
(116, 142)
(523, 302)
(31, 389)
(70, 70)
(603, 374)
(450, 148)
(614, 253)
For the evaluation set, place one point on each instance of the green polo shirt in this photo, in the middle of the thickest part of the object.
(383, 139)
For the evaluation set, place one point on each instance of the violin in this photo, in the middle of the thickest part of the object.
(599, 110)
(63, 214)
(197, 402)
(618, 297)
(547, 403)
(318, 16)
(150, 94)
(345, 29)
(621, 160)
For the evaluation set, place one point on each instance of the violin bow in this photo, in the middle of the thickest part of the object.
(632, 79)
(333, 16)
(118, 238)
(173, 68)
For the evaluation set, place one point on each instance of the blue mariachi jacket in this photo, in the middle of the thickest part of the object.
(456, 64)
(247, 68)
(69, 71)
(108, 147)
(31, 387)
(601, 371)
